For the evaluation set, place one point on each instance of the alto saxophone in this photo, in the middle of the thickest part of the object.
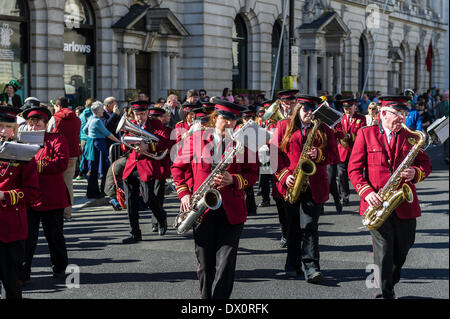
(207, 196)
(391, 193)
(305, 167)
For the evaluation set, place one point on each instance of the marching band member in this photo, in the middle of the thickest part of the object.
(19, 188)
(52, 161)
(217, 236)
(182, 127)
(288, 100)
(250, 202)
(346, 132)
(378, 151)
(160, 185)
(259, 116)
(303, 216)
(141, 173)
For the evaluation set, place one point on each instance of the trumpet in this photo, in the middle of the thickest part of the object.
(273, 112)
(139, 135)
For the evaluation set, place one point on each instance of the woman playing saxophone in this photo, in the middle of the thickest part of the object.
(302, 213)
(217, 236)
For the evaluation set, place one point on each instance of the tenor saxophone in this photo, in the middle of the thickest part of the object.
(305, 168)
(393, 193)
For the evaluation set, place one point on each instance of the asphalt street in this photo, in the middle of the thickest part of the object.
(164, 267)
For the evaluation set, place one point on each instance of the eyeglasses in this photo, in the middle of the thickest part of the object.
(397, 113)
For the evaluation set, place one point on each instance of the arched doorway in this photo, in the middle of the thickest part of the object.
(276, 34)
(239, 53)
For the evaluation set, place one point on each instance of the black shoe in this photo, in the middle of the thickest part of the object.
(59, 274)
(264, 204)
(447, 160)
(155, 228)
(291, 273)
(379, 295)
(162, 228)
(251, 214)
(345, 202)
(258, 193)
(315, 278)
(131, 240)
(283, 242)
(339, 208)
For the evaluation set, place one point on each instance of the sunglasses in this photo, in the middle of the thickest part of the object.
(308, 108)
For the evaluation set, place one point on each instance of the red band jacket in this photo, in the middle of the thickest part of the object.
(20, 185)
(193, 164)
(52, 161)
(288, 159)
(368, 167)
(351, 127)
(149, 168)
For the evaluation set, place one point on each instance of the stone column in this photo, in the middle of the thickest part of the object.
(312, 72)
(329, 74)
(173, 71)
(165, 73)
(338, 71)
(155, 78)
(123, 74)
(132, 68)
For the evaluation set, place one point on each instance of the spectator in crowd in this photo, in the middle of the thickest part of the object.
(413, 119)
(142, 96)
(425, 116)
(113, 178)
(79, 110)
(238, 100)
(259, 102)
(372, 114)
(84, 117)
(9, 96)
(160, 100)
(416, 96)
(174, 105)
(227, 96)
(66, 123)
(111, 117)
(442, 110)
(191, 99)
(202, 96)
(96, 152)
(364, 104)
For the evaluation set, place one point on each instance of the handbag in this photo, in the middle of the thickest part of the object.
(120, 194)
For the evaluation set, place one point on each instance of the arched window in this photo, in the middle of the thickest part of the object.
(14, 46)
(276, 33)
(239, 50)
(79, 52)
(361, 64)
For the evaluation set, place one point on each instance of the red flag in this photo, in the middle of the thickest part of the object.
(429, 56)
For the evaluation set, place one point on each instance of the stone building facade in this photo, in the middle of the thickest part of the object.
(101, 48)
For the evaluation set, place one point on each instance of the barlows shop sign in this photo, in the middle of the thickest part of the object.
(75, 47)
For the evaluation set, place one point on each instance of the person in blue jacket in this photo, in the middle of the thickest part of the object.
(413, 120)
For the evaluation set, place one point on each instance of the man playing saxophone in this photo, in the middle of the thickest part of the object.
(217, 236)
(378, 152)
(291, 136)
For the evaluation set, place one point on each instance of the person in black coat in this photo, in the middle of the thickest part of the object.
(9, 96)
(111, 117)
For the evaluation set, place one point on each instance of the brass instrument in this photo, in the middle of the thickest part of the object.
(305, 167)
(273, 112)
(207, 196)
(141, 135)
(391, 195)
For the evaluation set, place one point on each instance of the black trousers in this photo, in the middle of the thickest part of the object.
(160, 189)
(281, 216)
(250, 200)
(11, 257)
(344, 190)
(264, 185)
(391, 243)
(93, 191)
(52, 224)
(303, 235)
(216, 245)
(332, 174)
(133, 186)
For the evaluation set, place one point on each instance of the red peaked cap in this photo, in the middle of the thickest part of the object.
(156, 111)
(248, 113)
(287, 95)
(140, 105)
(39, 111)
(397, 102)
(205, 110)
(228, 109)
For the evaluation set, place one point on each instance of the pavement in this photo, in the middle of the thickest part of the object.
(164, 267)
